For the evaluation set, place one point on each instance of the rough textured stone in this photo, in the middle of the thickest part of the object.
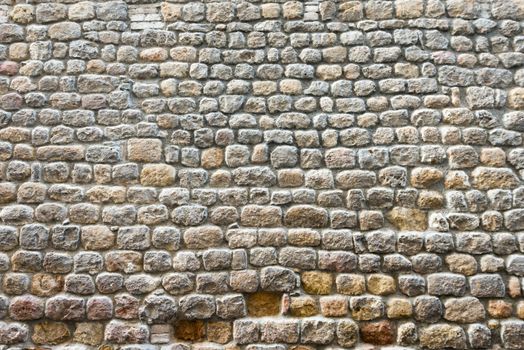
(464, 310)
(51, 333)
(315, 282)
(158, 175)
(263, 304)
(261, 175)
(490, 178)
(443, 336)
(378, 333)
(306, 216)
(408, 218)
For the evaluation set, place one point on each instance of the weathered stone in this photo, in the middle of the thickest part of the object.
(159, 175)
(443, 336)
(197, 306)
(277, 279)
(514, 219)
(144, 150)
(26, 308)
(285, 331)
(350, 284)
(408, 218)
(11, 33)
(483, 286)
(381, 284)
(490, 178)
(263, 304)
(43, 284)
(124, 332)
(303, 306)
(446, 284)
(366, 308)
(512, 334)
(306, 216)
(158, 309)
(181, 169)
(50, 333)
(427, 309)
(464, 310)
(65, 308)
(316, 282)
(399, 308)
(261, 216)
(314, 331)
(378, 333)
(203, 237)
(89, 333)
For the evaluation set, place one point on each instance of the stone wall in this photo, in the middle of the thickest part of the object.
(261, 175)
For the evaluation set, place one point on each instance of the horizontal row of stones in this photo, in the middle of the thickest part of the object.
(349, 44)
(331, 95)
(112, 46)
(335, 80)
(43, 57)
(404, 139)
(409, 166)
(316, 331)
(484, 164)
(245, 280)
(338, 254)
(477, 98)
(158, 308)
(446, 126)
(313, 283)
(217, 12)
(100, 237)
(301, 215)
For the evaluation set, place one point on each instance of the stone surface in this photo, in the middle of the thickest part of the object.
(464, 310)
(51, 333)
(378, 333)
(443, 336)
(264, 175)
(263, 304)
(315, 282)
(408, 219)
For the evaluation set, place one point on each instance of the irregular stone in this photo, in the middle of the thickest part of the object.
(491, 178)
(446, 284)
(306, 216)
(512, 334)
(366, 308)
(486, 285)
(464, 310)
(50, 333)
(408, 219)
(315, 282)
(378, 333)
(261, 304)
(124, 332)
(443, 336)
(277, 279)
(315, 331)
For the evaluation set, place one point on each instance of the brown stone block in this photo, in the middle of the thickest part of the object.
(263, 304)
(190, 330)
(219, 332)
(51, 333)
(378, 333)
(316, 282)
